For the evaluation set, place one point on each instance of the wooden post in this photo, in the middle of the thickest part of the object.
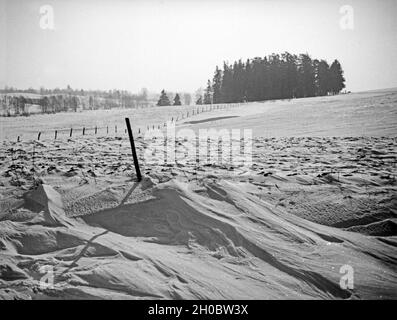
(56, 134)
(18, 139)
(107, 129)
(71, 132)
(38, 136)
(96, 129)
(115, 129)
(134, 156)
(83, 131)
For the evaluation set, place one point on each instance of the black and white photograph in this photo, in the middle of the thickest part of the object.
(224, 150)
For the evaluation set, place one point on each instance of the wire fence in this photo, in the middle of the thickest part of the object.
(115, 129)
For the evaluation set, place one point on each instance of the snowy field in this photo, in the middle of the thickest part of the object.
(357, 114)
(319, 198)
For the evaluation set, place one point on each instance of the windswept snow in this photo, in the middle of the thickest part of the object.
(210, 240)
(287, 227)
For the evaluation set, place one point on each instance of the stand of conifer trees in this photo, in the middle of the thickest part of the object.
(277, 76)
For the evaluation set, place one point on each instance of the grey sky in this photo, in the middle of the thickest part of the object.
(177, 44)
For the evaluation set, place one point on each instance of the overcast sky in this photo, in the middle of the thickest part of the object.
(176, 45)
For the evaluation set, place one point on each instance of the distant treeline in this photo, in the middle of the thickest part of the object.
(105, 94)
(17, 102)
(277, 76)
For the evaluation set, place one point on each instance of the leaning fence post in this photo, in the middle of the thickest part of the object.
(134, 156)
(38, 136)
(71, 132)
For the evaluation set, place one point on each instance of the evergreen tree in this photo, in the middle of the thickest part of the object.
(337, 80)
(306, 76)
(177, 100)
(239, 86)
(208, 93)
(289, 75)
(323, 80)
(217, 86)
(249, 84)
(259, 83)
(275, 75)
(227, 84)
(163, 101)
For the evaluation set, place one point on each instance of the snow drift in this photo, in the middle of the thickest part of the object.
(207, 240)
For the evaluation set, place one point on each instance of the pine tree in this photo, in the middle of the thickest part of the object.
(337, 80)
(208, 93)
(177, 100)
(289, 75)
(323, 80)
(217, 86)
(163, 101)
(259, 83)
(227, 83)
(306, 76)
(239, 85)
(249, 88)
(275, 75)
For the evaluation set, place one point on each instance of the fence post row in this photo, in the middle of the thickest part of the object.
(182, 116)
